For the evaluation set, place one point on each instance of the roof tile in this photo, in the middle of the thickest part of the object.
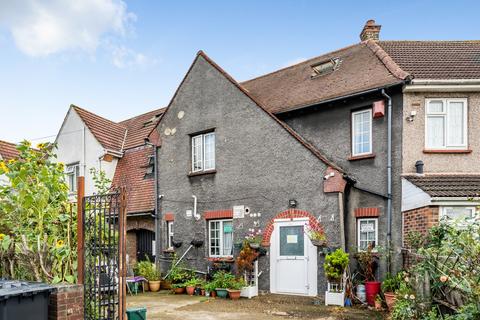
(448, 185)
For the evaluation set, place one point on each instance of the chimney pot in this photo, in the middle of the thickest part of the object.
(370, 31)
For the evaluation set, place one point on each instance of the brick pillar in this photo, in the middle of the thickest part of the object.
(66, 303)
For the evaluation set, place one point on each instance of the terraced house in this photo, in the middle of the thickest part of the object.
(88, 141)
(330, 143)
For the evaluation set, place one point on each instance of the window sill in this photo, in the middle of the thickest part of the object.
(221, 259)
(454, 151)
(362, 157)
(202, 173)
(169, 251)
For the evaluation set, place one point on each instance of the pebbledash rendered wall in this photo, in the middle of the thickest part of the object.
(414, 136)
(258, 164)
(328, 127)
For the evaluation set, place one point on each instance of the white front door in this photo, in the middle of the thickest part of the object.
(293, 259)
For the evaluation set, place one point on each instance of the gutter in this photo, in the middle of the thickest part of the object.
(348, 96)
(446, 85)
(389, 180)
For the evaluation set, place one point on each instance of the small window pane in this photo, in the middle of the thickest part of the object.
(227, 238)
(455, 128)
(435, 106)
(197, 153)
(292, 241)
(209, 151)
(435, 132)
(367, 233)
(458, 212)
(362, 122)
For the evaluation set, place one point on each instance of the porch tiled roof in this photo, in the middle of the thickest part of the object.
(436, 59)
(130, 173)
(8, 150)
(447, 185)
(139, 127)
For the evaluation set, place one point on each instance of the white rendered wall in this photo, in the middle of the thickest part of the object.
(75, 143)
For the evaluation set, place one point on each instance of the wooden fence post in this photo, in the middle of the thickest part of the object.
(80, 233)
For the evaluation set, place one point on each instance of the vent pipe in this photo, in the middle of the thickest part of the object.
(419, 166)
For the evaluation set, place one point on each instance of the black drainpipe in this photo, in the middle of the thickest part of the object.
(156, 214)
(389, 179)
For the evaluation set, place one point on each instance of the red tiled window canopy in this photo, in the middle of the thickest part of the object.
(367, 212)
(218, 214)
(169, 216)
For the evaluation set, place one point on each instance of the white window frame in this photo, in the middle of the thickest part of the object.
(221, 249)
(443, 211)
(72, 169)
(203, 152)
(444, 114)
(353, 132)
(170, 233)
(358, 233)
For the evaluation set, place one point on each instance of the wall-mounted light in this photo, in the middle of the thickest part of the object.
(292, 203)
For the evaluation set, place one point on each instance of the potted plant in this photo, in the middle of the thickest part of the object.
(253, 238)
(210, 289)
(223, 281)
(142, 268)
(317, 237)
(154, 279)
(334, 267)
(178, 288)
(368, 263)
(191, 284)
(235, 288)
(389, 287)
(177, 276)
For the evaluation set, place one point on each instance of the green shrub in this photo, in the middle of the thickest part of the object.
(392, 283)
(335, 264)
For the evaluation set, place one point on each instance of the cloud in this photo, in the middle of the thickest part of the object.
(41, 28)
(293, 62)
(123, 57)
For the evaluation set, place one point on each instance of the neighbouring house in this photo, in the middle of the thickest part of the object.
(327, 144)
(441, 135)
(88, 141)
(8, 151)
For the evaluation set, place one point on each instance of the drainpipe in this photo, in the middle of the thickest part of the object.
(156, 197)
(197, 217)
(389, 179)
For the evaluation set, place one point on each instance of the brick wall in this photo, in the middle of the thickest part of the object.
(419, 220)
(66, 303)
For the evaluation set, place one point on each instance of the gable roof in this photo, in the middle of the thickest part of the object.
(436, 59)
(447, 185)
(8, 150)
(294, 134)
(130, 172)
(362, 67)
(109, 134)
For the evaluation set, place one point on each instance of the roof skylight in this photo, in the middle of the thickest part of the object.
(325, 67)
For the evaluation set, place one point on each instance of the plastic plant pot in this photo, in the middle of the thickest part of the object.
(222, 293)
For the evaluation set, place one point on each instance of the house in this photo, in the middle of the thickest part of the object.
(88, 141)
(326, 144)
(8, 151)
(441, 136)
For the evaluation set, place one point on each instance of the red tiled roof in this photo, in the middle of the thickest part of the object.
(130, 173)
(447, 185)
(436, 59)
(139, 127)
(363, 67)
(8, 150)
(111, 135)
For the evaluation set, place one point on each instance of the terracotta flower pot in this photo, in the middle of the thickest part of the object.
(190, 290)
(202, 292)
(213, 294)
(179, 290)
(372, 288)
(378, 305)
(234, 294)
(390, 299)
(154, 286)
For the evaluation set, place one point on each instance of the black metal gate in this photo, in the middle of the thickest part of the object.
(104, 264)
(145, 240)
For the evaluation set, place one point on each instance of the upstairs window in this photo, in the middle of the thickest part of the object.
(72, 172)
(362, 132)
(446, 124)
(203, 152)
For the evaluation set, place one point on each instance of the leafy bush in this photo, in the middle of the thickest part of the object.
(178, 273)
(226, 280)
(194, 282)
(392, 283)
(143, 268)
(335, 264)
(37, 222)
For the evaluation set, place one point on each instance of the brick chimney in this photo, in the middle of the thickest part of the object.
(370, 31)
